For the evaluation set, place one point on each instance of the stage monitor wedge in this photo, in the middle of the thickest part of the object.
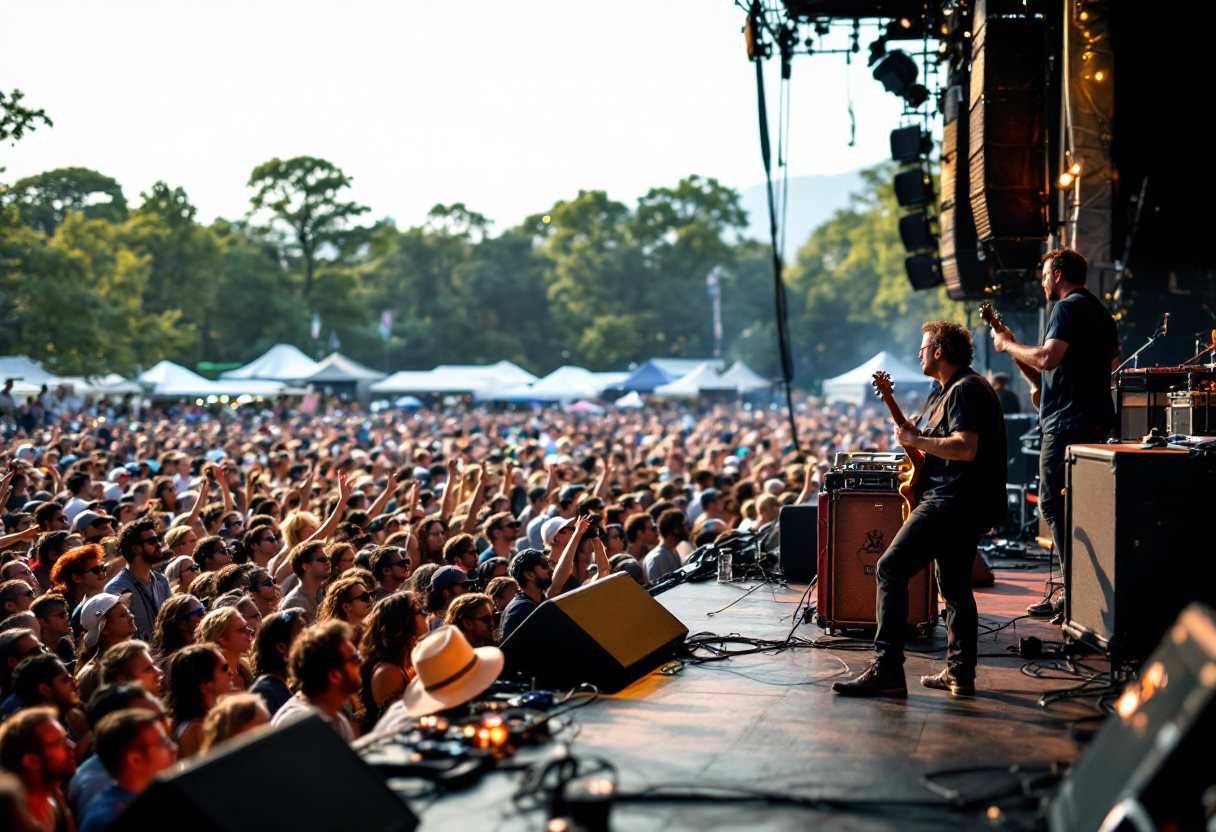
(609, 632)
(260, 783)
(1150, 764)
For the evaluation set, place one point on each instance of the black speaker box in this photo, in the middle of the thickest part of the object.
(610, 633)
(799, 556)
(269, 782)
(1007, 130)
(1137, 549)
(1145, 768)
(965, 275)
(1022, 467)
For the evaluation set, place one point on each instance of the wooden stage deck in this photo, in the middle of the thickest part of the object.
(770, 721)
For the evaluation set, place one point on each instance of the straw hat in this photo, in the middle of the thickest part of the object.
(450, 672)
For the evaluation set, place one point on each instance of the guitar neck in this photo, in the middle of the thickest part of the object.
(896, 413)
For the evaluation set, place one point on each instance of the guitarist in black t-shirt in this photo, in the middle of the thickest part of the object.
(962, 495)
(1080, 350)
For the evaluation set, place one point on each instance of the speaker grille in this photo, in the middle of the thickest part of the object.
(863, 524)
(1092, 536)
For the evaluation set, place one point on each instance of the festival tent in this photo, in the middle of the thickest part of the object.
(456, 378)
(744, 379)
(680, 367)
(339, 374)
(856, 386)
(26, 371)
(282, 362)
(565, 384)
(704, 378)
(629, 401)
(169, 380)
(645, 378)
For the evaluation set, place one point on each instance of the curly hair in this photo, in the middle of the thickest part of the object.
(339, 593)
(426, 552)
(388, 632)
(953, 340)
(130, 539)
(315, 653)
(1070, 265)
(72, 563)
(167, 636)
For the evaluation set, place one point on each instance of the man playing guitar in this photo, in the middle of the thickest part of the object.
(962, 496)
(1080, 350)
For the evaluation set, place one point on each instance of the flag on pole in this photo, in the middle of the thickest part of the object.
(386, 324)
(334, 343)
(316, 326)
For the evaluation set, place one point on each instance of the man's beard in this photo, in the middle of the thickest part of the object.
(544, 583)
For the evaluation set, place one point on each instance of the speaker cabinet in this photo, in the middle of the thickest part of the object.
(799, 556)
(261, 782)
(860, 526)
(1008, 136)
(966, 276)
(610, 633)
(1145, 768)
(1136, 551)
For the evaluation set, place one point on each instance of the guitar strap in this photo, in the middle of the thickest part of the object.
(935, 412)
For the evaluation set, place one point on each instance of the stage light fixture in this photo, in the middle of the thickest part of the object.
(915, 232)
(907, 144)
(912, 188)
(924, 272)
(896, 71)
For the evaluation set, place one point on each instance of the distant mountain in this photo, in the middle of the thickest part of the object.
(812, 201)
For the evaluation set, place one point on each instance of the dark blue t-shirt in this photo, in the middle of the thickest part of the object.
(1077, 393)
(521, 607)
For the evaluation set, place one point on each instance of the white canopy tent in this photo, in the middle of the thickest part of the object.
(171, 380)
(565, 384)
(457, 378)
(744, 379)
(282, 362)
(27, 373)
(856, 385)
(703, 378)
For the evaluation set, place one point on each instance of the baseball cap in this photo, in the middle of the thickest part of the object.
(570, 492)
(551, 527)
(524, 561)
(88, 518)
(93, 613)
(120, 471)
(448, 576)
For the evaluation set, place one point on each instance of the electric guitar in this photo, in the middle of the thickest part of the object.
(909, 479)
(1033, 377)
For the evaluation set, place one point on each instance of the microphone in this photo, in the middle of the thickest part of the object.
(1165, 327)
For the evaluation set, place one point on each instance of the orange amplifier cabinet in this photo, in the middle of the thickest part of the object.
(855, 529)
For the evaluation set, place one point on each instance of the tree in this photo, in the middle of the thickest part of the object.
(16, 118)
(302, 194)
(46, 199)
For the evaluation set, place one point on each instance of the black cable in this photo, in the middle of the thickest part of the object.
(783, 345)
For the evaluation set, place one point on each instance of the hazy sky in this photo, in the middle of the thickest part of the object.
(505, 105)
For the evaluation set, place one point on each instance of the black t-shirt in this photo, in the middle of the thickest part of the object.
(1077, 393)
(969, 404)
(519, 608)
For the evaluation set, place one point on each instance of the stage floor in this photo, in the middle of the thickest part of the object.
(770, 721)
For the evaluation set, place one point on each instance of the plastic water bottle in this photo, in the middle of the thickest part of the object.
(724, 568)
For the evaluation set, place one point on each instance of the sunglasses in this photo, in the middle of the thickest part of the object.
(268, 539)
(355, 659)
(321, 559)
(404, 562)
(488, 620)
(265, 583)
(96, 570)
(365, 597)
(198, 613)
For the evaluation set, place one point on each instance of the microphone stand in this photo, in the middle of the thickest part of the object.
(1156, 336)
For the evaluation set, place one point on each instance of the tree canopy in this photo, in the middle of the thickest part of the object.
(88, 285)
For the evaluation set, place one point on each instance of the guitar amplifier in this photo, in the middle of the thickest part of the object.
(855, 529)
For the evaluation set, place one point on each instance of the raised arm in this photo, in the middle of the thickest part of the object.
(19, 537)
(335, 517)
(565, 563)
(225, 490)
(807, 484)
(471, 522)
(203, 495)
(601, 485)
(449, 492)
(306, 488)
(377, 508)
(602, 567)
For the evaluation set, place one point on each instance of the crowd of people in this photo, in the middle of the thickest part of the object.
(168, 584)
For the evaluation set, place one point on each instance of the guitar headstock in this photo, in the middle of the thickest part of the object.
(988, 314)
(883, 386)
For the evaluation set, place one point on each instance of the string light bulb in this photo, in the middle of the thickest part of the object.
(1066, 179)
